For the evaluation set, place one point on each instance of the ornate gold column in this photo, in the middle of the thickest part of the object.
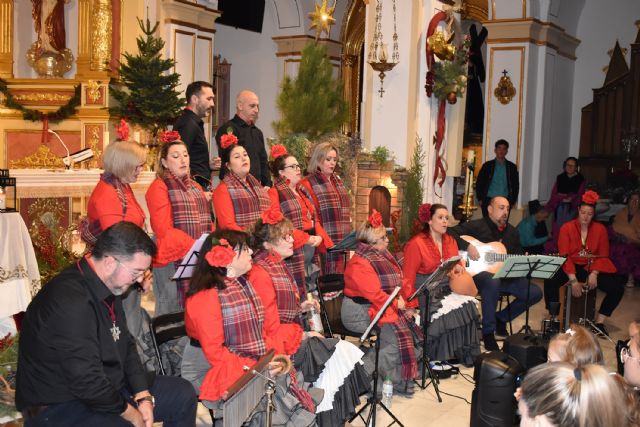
(94, 38)
(6, 39)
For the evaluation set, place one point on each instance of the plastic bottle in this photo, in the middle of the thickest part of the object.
(315, 321)
(387, 392)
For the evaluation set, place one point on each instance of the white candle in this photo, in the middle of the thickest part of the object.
(105, 139)
(471, 155)
(383, 53)
(3, 199)
(136, 136)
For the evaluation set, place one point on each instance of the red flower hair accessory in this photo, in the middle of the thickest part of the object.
(123, 130)
(278, 150)
(424, 213)
(272, 216)
(169, 136)
(221, 254)
(228, 139)
(375, 219)
(590, 197)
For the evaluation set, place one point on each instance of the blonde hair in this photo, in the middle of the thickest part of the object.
(368, 234)
(319, 154)
(580, 347)
(121, 158)
(582, 397)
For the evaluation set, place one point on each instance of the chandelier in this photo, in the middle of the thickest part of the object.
(378, 56)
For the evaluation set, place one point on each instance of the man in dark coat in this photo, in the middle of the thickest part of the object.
(498, 177)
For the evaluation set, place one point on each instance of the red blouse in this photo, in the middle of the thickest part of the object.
(570, 244)
(172, 243)
(104, 205)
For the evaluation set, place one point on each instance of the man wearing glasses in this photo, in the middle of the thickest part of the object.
(78, 364)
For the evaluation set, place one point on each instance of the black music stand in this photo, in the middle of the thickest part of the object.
(374, 401)
(538, 266)
(185, 269)
(432, 283)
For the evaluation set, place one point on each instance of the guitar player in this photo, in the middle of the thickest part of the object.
(495, 228)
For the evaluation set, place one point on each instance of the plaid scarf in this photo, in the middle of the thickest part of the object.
(191, 211)
(334, 208)
(243, 317)
(249, 198)
(91, 229)
(390, 275)
(287, 294)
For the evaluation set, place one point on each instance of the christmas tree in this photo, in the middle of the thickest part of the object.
(311, 104)
(146, 92)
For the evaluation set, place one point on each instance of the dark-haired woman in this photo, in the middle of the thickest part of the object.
(454, 317)
(330, 364)
(296, 205)
(229, 330)
(565, 198)
(180, 214)
(581, 239)
(240, 198)
(331, 200)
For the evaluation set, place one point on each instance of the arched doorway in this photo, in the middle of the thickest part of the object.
(380, 200)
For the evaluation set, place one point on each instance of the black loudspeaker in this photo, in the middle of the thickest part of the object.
(529, 350)
(245, 14)
(492, 400)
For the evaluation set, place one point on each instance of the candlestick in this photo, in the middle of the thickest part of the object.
(105, 140)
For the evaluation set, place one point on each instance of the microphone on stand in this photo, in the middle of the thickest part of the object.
(67, 161)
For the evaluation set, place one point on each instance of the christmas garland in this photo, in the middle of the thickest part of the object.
(62, 113)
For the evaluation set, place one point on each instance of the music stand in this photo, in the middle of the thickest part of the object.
(433, 282)
(538, 266)
(374, 401)
(189, 261)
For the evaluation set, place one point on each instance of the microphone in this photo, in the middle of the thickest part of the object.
(67, 161)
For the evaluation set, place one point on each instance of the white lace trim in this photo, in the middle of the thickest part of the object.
(452, 302)
(337, 368)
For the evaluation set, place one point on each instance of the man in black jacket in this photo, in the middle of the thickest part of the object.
(77, 362)
(495, 228)
(498, 177)
(243, 126)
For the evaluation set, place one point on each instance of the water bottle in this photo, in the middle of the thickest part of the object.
(387, 392)
(313, 317)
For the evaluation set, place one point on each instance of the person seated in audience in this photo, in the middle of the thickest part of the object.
(625, 247)
(370, 277)
(309, 236)
(533, 229)
(495, 228)
(226, 321)
(631, 356)
(577, 346)
(180, 214)
(560, 394)
(586, 245)
(453, 315)
(240, 198)
(312, 354)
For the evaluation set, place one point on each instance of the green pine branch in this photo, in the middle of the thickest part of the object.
(414, 192)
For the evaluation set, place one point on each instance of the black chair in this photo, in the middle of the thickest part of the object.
(332, 308)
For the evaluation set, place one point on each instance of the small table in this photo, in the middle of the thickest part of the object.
(19, 274)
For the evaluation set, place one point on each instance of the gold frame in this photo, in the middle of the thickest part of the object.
(352, 38)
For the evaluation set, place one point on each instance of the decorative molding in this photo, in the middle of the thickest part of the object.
(191, 15)
(101, 29)
(293, 45)
(6, 39)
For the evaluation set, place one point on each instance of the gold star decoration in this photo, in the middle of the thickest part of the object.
(322, 18)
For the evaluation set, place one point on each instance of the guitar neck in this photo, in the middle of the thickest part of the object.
(496, 257)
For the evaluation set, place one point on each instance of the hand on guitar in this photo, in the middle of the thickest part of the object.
(473, 252)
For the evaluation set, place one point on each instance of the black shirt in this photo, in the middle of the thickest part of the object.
(251, 138)
(487, 231)
(191, 130)
(67, 351)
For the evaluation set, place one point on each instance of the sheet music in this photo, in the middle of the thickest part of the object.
(185, 269)
(519, 266)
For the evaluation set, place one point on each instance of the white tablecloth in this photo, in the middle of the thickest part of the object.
(19, 274)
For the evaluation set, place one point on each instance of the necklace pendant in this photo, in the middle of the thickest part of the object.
(115, 332)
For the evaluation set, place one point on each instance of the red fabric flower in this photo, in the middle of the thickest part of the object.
(424, 213)
(123, 130)
(278, 150)
(273, 215)
(375, 219)
(220, 255)
(590, 197)
(228, 139)
(169, 136)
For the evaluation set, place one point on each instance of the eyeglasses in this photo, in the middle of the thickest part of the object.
(295, 167)
(288, 237)
(625, 355)
(140, 166)
(135, 274)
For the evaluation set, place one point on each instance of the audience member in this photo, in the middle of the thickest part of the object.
(577, 346)
(533, 229)
(625, 248)
(498, 177)
(631, 356)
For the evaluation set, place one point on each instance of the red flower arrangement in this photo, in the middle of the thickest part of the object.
(278, 150)
(272, 216)
(169, 136)
(375, 219)
(590, 197)
(228, 139)
(123, 130)
(424, 213)
(221, 254)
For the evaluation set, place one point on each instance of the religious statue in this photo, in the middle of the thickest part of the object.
(49, 55)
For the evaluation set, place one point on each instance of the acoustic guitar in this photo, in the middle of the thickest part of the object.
(492, 256)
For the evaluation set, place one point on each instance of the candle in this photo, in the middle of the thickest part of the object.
(105, 139)
(136, 136)
(471, 155)
(3, 199)
(383, 53)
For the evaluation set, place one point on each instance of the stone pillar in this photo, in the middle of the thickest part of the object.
(6, 39)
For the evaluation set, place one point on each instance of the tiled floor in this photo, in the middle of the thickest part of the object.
(424, 410)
